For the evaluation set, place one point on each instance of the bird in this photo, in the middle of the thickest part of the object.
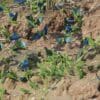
(70, 20)
(48, 51)
(68, 28)
(23, 79)
(59, 40)
(58, 5)
(29, 17)
(1, 8)
(15, 36)
(24, 65)
(85, 42)
(1, 46)
(36, 36)
(68, 40)
(13, 16)
(20, 1)
(45, 30)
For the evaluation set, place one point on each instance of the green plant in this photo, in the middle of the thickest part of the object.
(6, 61)
(7, 74)
(33, 85)
(3, 3)
(4, 32)
(32, 4)
(28, 74)
(3, 75)
(25, 91)
(97, 41)
(79, 64)
(55, 66)
(2, 92)
(77, 13)
(12, 75)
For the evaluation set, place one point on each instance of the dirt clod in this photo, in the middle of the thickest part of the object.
(85, 88)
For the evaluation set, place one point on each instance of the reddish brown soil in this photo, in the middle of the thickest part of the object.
(69, 87)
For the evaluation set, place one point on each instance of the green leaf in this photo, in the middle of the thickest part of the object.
(2, 92)
(12, 75)
(25, 91)
(28, 74)
(91, 41)
(33, 85)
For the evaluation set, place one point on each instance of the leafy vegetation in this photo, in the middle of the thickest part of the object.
(2, 92)
(25, 91)
(56, 64)
(33, 85)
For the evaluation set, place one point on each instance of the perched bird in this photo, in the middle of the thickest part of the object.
(23, 79)
(19, 45)
(20, 1)
(1, 46)
(45, 30)
(14, 36)
(1, 8)
(22, 45)
(13, 16)
(48, 51)
(70, 20)
(36, 36)
(31, 21)
(58, 5)
(60, 40)
(68, 40)
(68, 28)
(40, 4)
(39, 20)
(24, 64)
(85, 42)
(29, 17)
(41, 33)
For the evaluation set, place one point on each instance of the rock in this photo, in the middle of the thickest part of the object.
(93, 65)
(37, 79)
(67, 97)
(86, 88)
(6, 97)
(91, 22)
(33, 98)
(9, 84)
(62, 86)
(20, 97)
(60, 91)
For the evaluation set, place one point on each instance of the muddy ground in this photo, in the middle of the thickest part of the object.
(69, 87)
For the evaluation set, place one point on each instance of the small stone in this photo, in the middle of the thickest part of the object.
(33, 98)
(24, 64)
(85, 88)
(9, 84)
